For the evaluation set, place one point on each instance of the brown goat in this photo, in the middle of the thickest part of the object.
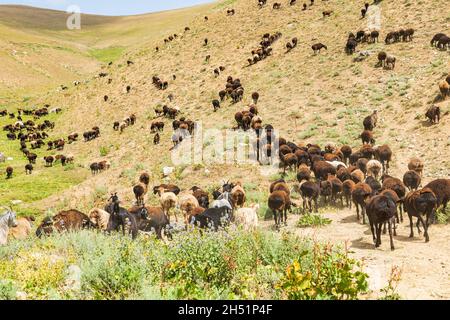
(383, 154)
(346, 151)
(418, 203)
(370, 122)
(391, 194)
(156, 139)
(395, 185)
(357, 176)
(382, 58)
(417, 165)
(336, 189)
(303, 173)
(237, 196)
(9, 172)
(289, 161)
(381, 209)
(321, 169)
(412, 180)
(361, 192)
(318, 46)
(441, 188)
(279, 203)
(367, 137)
(347, 189)
(64, 221)
(433, 114)
(310, 192)
(444, 88)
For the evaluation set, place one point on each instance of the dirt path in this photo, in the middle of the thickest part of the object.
(425, 266)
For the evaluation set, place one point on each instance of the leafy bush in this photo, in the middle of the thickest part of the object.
(104, 151)
(114, 271)
(312, 220)
(442, 217)
(331, 276)
(36, 273)
(7, 290)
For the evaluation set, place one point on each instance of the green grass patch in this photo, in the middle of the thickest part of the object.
(104, 150)
(312, 220)
(43, 182)
(309, 132)
(107, 54)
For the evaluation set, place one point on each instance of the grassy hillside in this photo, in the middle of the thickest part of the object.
(308, 98)
(38, 52)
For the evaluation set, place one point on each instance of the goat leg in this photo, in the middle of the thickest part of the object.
(425, 227)
(401, 212)
(357, 211)
(363, 209)
(275, 217)
(395, 227)
(411, 235)
(390, 235)
(378, 227)
(373, 233)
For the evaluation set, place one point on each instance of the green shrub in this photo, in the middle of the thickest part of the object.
(230, 264)
(104, 151)
(7, 290)
(442, 217)
(312, 220)
(114, 271)
(36, 273)
(331, 277)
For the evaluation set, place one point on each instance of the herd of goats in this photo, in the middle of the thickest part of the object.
(360, 176)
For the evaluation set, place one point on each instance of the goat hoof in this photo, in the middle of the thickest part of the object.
(392, 248)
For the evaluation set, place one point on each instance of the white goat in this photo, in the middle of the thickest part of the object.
(7, 220)
(247, 217)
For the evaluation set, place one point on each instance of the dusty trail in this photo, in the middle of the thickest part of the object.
(425, 266)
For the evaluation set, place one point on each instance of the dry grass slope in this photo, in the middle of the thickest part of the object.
(38, 52)
(308, 98)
